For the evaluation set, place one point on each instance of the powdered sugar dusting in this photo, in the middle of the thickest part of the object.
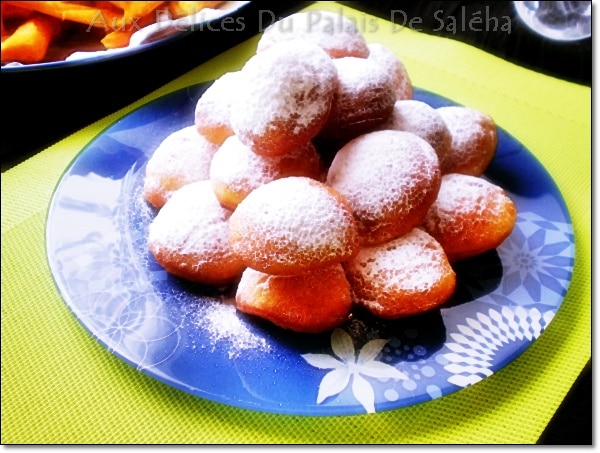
(358, 75)
(336, 34)
(383, 171)
(364, 99)
(237, 166)
(463, 122)
(214, 106)
(291, 82)
(242, 170)
(464, 196)
(472, 134)
(393, 66)
(193, 224)
(221, 321)
(412, 262)
(181, 158)
(422, 120)
(291, 220)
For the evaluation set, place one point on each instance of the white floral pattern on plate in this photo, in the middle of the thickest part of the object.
(346, 366)
(474, 346)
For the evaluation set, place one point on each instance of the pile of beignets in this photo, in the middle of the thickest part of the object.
(314, 182)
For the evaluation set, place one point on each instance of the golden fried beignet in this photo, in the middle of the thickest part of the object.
(293, 225)
(470, 216)
(181, 158)
(284, 97)
(312, 302)
(389, 178)
(406, 276)
(422, 120)
(364, 99)
(335, 34)
(388, 60)
(189, 237)
(236, 170)
(474, 140)
(212, 116)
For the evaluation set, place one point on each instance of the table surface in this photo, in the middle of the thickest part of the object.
(572, 423)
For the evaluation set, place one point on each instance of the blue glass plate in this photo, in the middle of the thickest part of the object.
(192, 338)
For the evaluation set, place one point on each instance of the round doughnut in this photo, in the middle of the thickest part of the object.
(364, 99)
(189, 237)
(423, 120)
(293, 225)
(406, 276)
(235, 170)
(284, 97)
(389, 178)
(212, 114)
(470, 216)
(181, 158)
(388, 60)
(334, 33)
(313, 302)
(474, 140)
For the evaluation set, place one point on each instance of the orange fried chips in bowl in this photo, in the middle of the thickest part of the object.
(49, 31)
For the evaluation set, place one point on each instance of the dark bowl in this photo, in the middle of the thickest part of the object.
(46, 102)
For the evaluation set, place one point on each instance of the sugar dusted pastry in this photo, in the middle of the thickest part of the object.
(389, 178)
(181, 158)
(470, 216)
(474, 140)
(337, 35)
(291, 226)
(422, 120)
(364, 99)
(189, 237)
(406, 276)
(213, 109)
(236, 171)
(284, 97)
(390, 62)
(312, 302)
(325, 189)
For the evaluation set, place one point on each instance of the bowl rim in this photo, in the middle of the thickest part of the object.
(98, 57)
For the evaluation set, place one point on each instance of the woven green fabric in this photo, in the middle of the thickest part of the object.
(60, 386)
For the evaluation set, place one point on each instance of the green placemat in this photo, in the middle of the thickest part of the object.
(60, 386)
